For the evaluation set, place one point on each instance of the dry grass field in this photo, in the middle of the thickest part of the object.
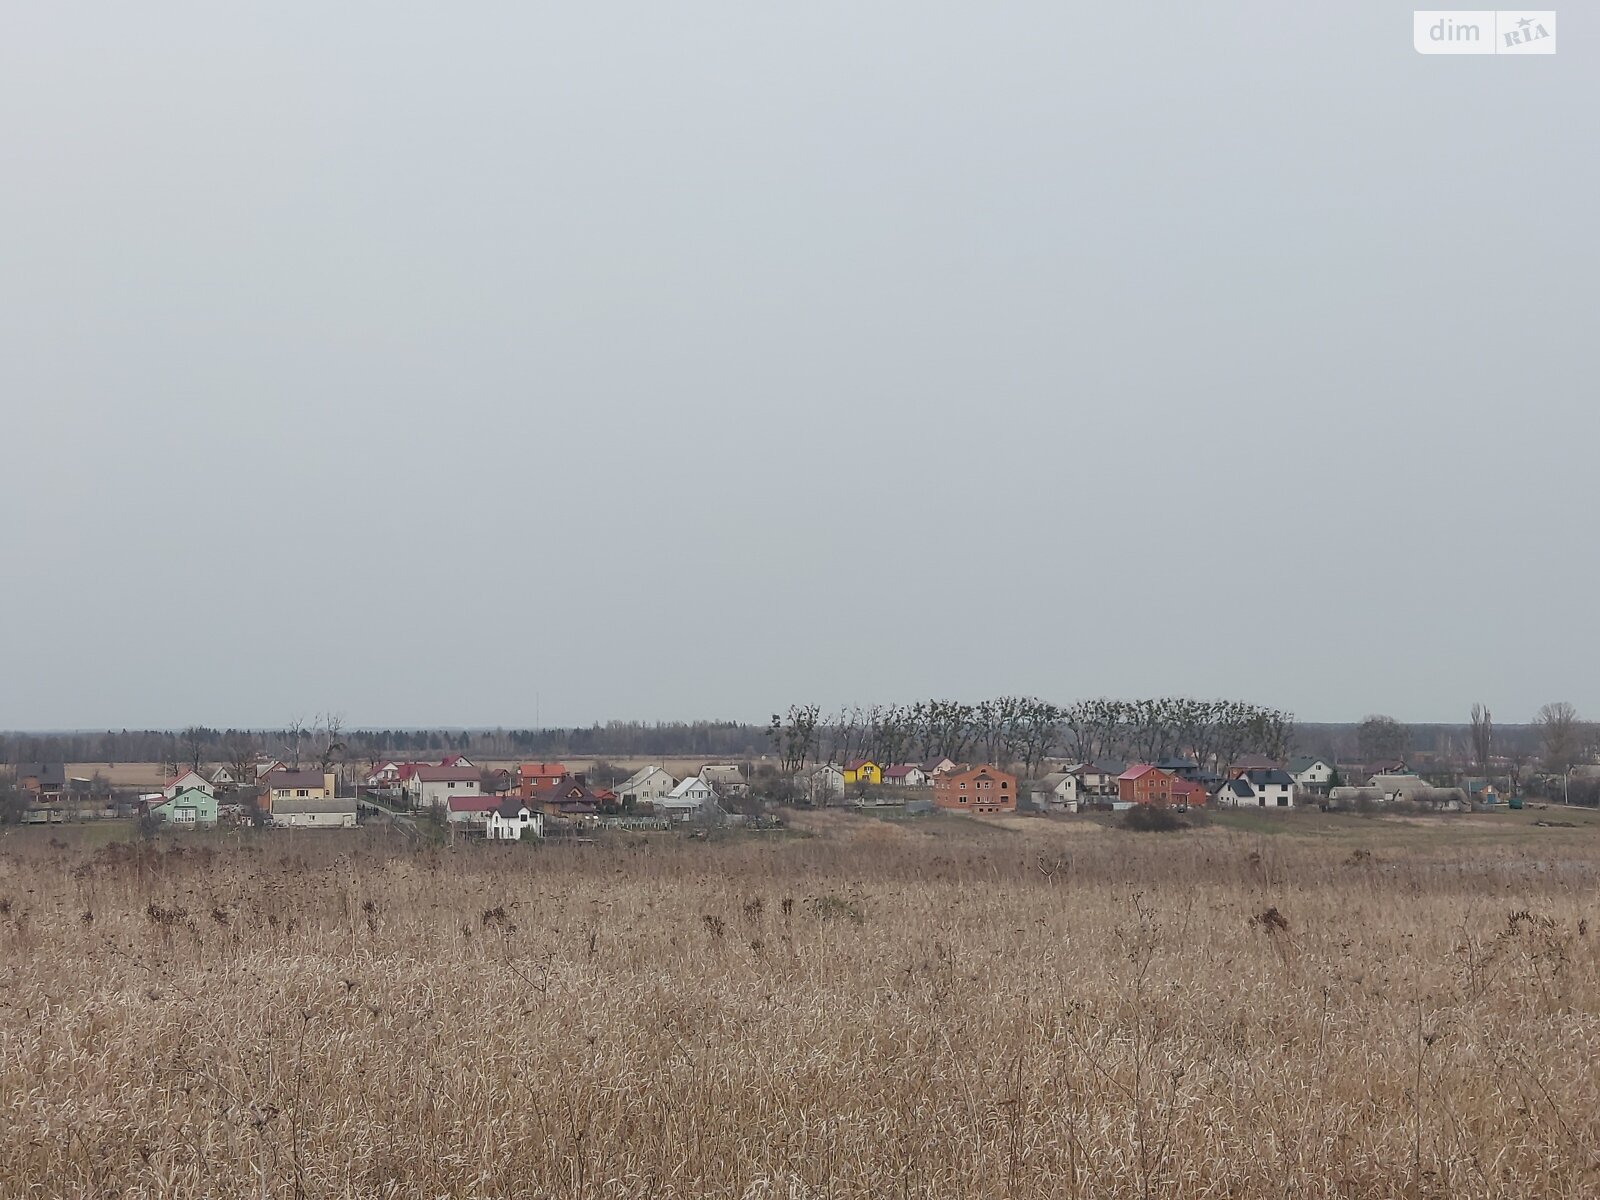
(858, 1008)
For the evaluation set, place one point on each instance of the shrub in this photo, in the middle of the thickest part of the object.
(1149, 818)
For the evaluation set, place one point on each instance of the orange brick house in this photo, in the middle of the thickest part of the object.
(1144, 784)
(535, 781)
(982, 789)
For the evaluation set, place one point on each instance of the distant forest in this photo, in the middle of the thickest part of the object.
(1020, 731)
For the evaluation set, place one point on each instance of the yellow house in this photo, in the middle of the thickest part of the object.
(862, 771)
(297, 785)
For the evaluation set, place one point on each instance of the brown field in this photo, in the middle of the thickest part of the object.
(1305, 1007)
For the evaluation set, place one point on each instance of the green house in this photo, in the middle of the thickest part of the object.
(189, 808)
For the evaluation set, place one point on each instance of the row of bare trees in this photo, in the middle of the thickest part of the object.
(1022, 731)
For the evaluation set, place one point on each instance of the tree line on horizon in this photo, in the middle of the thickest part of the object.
(1016, 730)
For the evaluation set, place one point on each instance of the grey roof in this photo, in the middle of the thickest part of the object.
(332, 805)
(1238, 787)
(1269, 778)
(1304, 762)
(51, 775)
(1055, 778)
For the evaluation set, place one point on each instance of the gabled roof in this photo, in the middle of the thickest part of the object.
(1302, 763)
(902, 770)
(541, 770)
(513, 809)
(1238, 787)
(639, 777)
(1138, 771)
(184, 791)
(855, 764)
(690, 784)
(1056, 778)
(473, 804)
(1269, 778)
(1176, 764)
(50, 775)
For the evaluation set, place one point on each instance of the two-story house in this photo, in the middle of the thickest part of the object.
(980, 789)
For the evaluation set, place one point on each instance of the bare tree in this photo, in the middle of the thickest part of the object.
(1560, 735)
(241, 751)
(1482, 736)
(1381, 738)
(194, 744)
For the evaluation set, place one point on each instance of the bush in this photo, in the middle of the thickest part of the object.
(1148, 818)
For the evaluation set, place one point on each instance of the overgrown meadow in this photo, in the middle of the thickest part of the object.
(875, 1010)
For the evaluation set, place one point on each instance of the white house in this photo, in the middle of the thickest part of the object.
(1259, 789)
(692, 797)
(222, 778)
(189, 779)
(1058, 789)
(432, 787)
(820, 783)
(1311, 774)
(511, 820)
(646, 786)
(905, 775)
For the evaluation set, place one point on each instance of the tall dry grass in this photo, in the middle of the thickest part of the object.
(870, 1013)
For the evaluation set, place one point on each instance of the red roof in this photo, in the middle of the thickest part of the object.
(541, 770)
(472, 804)
(901, 771)
(1138, 771)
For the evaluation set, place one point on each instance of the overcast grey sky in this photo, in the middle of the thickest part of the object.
(677, 360)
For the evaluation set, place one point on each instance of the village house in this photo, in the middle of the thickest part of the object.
(1099, 779)
(905, 775)
(941, 765)
(187, 808)
(189, 779)
(1311, 775)
(45, 781)
(316, 812)
(511, 819)
(1188, 793)
(1260, 788)
(265, 767)
(724, 778)
(1058, 789)
(691, 799)
(820, 783)
(645, 786)
(1145, 783)
(980, 789)
(535, 780)
(862, 772)
(573, 797)
(286, 786)
(431, 787)
(223, 778)
(498, 782)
